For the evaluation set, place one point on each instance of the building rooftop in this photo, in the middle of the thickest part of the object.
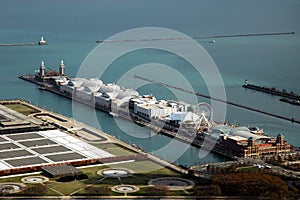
(62, 170)
(44, 148)
(183, 116)
(247, 135)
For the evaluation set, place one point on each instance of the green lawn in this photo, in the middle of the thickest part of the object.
(115, 149)
(23, 109)
(66, 188)
(248, 169)
(146, 167)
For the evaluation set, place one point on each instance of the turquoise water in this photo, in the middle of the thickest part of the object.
(72, 26)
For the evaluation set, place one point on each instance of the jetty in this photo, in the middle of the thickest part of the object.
(18, 44)
(201, 37)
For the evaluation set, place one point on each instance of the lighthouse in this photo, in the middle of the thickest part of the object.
(42, 69)
(42, 41)
(62, 68)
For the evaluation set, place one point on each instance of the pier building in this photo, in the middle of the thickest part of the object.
(147, 107)
(243, 143)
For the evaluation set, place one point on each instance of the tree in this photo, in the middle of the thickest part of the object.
(102, 190)
(233, 167)
(191, 172)
(36, 190)
(250, 184)
(206, 190)
(159, 191)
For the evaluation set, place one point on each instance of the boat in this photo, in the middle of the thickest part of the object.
(113, 114)
(290, 101)
(256, 130)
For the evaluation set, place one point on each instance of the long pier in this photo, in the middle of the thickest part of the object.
(200, 37)
(219, 100)
(185, 136)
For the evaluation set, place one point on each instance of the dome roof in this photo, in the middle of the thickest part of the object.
(247, 135)
(127, 93)
(52, 73)
(112, 89)
(92, 85)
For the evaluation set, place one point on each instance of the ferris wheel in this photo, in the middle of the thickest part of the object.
(205, 112)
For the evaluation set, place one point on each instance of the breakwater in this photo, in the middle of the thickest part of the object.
(200, 37)
(273, 91)
(219, 100)
(19, 44)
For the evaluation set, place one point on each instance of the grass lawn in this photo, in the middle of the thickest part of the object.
(66, 188)
(147, 167)
(23, 109)
(248, 169)
(12, 179)
(115, 149)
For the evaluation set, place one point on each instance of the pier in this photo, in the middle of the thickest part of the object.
(185, 136)
(219, 100)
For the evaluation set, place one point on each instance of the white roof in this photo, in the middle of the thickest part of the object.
(247, 135)
(236, 138)
(183, 116)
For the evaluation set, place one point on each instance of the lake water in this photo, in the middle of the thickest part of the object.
(71, 28)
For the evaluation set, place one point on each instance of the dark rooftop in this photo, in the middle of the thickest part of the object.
(61, 170)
